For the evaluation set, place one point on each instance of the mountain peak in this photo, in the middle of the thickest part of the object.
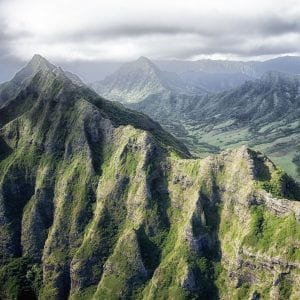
(38, 63)
(136, 80)
(37, 56)
(144, 59)
(144, 62)
(133, 81)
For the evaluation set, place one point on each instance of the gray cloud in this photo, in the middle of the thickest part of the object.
(265, 26)
(117, 31)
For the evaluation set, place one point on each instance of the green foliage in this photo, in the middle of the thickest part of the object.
(257, 224)
(130, 161)
(285, 288)
(111, 220)
(202, 264)
(242, 292)
(205, 273)
(170, 241)
(296, 161)
(281, 185)
(20, 279)
(269, 232)
(150, 247)
(86, 294)
(275, 185)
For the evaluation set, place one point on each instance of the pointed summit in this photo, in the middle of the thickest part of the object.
(39, 63)
(132, 82)
(144, 60)
(36, 64)
(142, 63)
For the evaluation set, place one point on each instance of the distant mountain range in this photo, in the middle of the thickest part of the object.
(136, 80)
(289, 64)
(139, 79)
(217, 75)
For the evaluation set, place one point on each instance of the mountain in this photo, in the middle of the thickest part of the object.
(286, 64)
(98, 202)
(221, 75)
(225, 74)
(74, 78)
(215, 82)
(209, 66)
(12, 88)
(263, 114)
(136, 80)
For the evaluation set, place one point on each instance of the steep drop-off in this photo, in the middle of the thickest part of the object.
(98, 202)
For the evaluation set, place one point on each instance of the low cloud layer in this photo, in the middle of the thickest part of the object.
(118, 30)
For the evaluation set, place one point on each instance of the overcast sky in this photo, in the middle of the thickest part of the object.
(119, 30)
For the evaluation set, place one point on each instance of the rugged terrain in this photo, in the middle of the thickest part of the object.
(263, 114)
(187, 77)
(98, 202)
(217, 75)
(136, 80)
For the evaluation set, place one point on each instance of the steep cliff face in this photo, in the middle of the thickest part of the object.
(98, 202)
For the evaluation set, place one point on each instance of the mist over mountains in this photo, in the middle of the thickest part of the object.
(97, 70)
(189, 77)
